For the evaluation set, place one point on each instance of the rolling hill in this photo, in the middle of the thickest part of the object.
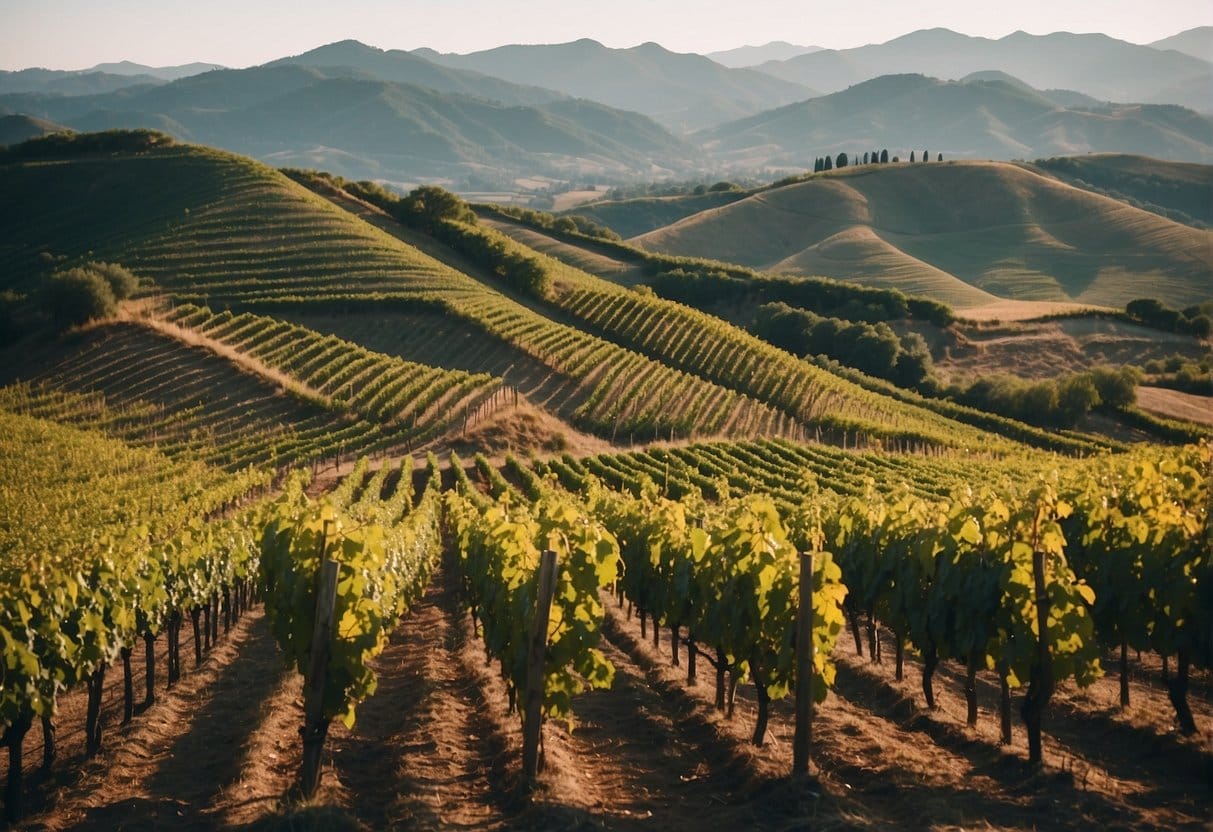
(1094, 64)
(245, 237)
(17, 128)
(360, 126)
(1179, 191)
(975, 119)
(682, 91)
(962, 233)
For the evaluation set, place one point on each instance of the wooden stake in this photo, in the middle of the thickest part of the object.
(315, 726)
(804, 669)
(536, 656)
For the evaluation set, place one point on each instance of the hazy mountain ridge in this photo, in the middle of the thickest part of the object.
(361, 126)
(1094, 64)
(748, 56)
(976, 119)
(1196, 42)
(682, 91)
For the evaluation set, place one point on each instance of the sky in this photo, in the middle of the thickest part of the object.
(75, 34)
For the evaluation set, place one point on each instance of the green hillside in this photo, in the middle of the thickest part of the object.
(213, 228)
(962, 233)
(1179, 191)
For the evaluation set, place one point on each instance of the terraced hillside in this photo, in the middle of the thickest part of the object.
(192, 394)
(962, 233)
(240, 234)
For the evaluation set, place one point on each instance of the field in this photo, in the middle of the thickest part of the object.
(273, 538)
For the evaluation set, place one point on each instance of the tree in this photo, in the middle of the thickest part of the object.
(818, 165)
(884, 156)
(911, 155)
(76, 296)
(865, 157)
(938, 157)
(896, 158)
(926, 157)
(829, 164)
(841, 161)
(429, 205)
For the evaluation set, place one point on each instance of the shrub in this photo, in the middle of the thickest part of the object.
(76, 296)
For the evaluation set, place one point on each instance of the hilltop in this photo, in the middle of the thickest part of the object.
(964, 233)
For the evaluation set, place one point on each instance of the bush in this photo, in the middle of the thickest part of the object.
(76, 296)
(120, 279)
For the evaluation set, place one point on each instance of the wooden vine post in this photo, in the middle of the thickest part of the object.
(536, 657)
(315, 725)
(803, 736)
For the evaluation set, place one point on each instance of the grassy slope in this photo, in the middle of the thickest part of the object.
(963, 233)
(1181, 191)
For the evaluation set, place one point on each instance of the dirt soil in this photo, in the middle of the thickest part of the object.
(435, 748)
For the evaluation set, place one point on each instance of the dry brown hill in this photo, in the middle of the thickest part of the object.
(965, 233)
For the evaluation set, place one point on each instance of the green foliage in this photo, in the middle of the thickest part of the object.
(429, 206)
(383, 567)
(76, 296)
(1059, 402)
(1196, 320)
(101, 542)
(499, 551)
(872, 349)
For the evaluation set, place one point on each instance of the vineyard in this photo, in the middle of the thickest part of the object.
(256, 569)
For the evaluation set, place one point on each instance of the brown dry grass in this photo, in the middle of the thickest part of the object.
(1175, 404)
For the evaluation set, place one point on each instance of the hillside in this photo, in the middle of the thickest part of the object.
(364, 127)
(985, 119)
(17, 128)
(962, 233)
(299, 255)
(1196, 42)
(1176, 190)
(684, 92)
(1094, 64)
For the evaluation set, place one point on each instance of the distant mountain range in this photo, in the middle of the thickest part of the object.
(358, 125)
(1094, 64)
(1002, 118)
(682, 91)
(583, 111)
(98, 79)
(776, 50)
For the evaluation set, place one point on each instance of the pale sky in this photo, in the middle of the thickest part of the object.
(74, 34)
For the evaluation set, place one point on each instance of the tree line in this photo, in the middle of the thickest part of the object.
(870, 157)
